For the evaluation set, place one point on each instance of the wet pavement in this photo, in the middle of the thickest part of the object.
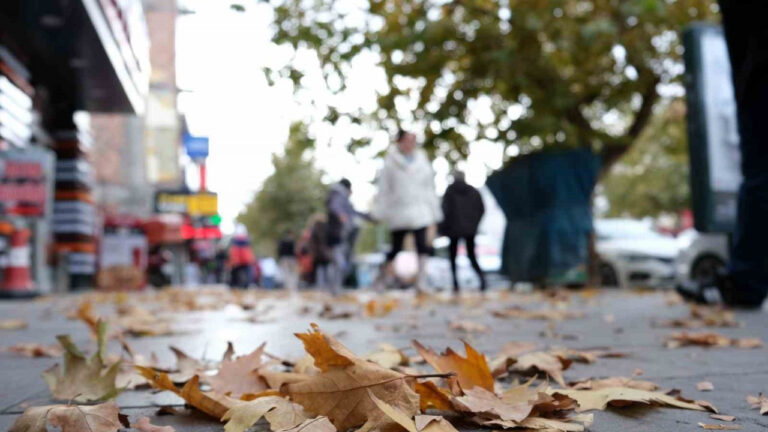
(619, 320)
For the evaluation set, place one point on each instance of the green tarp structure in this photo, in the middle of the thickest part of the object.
(546, 198)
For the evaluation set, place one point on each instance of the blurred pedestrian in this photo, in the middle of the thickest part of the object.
(241, 261)
(322, 254)
(342, 229)
(746, 282)
(407, 202)
(462, 209)
(286, 255)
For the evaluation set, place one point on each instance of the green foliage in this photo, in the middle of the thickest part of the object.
(558, 73)
(288, 197)
(652, 178)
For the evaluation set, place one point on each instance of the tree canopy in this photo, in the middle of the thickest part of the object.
(288, 197)
(528, 74)
(652, 178)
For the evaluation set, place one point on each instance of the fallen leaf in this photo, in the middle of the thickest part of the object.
(543, 362)
(342, 391)
(276, 379)
(317, 424)
(433, 397)
(589, 400)
(596, 384)
(472, 371)
(537, 314)
(703, 316)
(143, 425)
(705, 386)
(508, 356)
(380, 308)
(710, 339)
(477, 400)
(279, 412)
(329, 313)
(210, 403)
(719, 426)
(35, 350)
(392, 414)
(69, 418)
(81, 379)
(13, 324)
(727, 418)
(240, 375)
(432, 423)
(585, 356)
(186, 366)
(467, 326)
(388, 357)
(758, 402)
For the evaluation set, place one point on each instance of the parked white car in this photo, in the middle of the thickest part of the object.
(701, 257)
(632, 253)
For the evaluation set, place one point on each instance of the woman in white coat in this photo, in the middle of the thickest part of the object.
(406, 200)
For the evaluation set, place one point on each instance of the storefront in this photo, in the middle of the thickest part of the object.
(58, 58)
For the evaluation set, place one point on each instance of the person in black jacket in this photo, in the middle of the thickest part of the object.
(462, 209)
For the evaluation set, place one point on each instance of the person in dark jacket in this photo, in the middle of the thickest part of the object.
(462, 210)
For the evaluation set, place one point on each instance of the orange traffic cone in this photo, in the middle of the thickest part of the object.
(16, 279)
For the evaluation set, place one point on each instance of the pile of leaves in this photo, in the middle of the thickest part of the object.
(333, 388)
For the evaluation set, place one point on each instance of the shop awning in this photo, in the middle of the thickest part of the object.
(89, 54)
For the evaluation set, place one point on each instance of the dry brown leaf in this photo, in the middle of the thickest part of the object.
(537, 314)
(275, 380)
(35, 350)
(432, 423)
(467, 326)
(69, 418)
(13, 324)
(343, 390)
(543, 362)
(433, 397)
(143, 424)
(758, 402)
(719, 426)
(477, 400)
(240, 375)
(585, 356)
(705, 386)
(508, 356)
(472, 371)
(721, 417)
(186, 366)
(210, 403)
(388, 356)
(621, 396)
(317, 424)
(380, 308)
(596, 384)
(280, 413)
(704, 316)
(710, 339)
(574, 424)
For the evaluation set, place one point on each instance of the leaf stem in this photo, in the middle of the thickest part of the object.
(435, 375)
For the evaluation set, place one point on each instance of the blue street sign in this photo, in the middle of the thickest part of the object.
(197, 147)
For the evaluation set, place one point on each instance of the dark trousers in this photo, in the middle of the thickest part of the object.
(469, 242)
(398, 237)
(747, 37)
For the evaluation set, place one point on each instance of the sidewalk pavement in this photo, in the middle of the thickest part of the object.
(617, 320)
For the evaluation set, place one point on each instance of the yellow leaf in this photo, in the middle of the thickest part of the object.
(470, 372)
(432, 397)
(326, 352)
(279, 412)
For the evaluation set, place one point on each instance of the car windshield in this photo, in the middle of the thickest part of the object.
(625, 229)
